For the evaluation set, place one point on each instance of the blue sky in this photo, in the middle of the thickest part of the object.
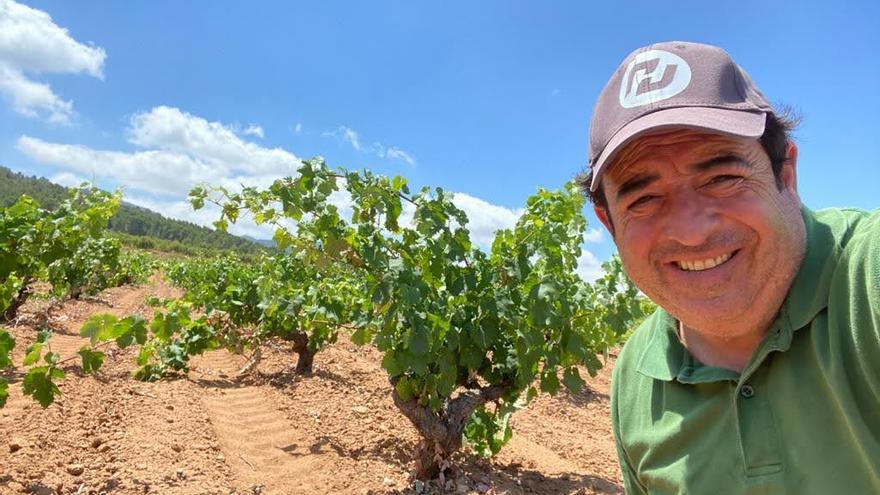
(488, 99)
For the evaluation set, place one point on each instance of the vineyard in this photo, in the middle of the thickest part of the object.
(380, 343)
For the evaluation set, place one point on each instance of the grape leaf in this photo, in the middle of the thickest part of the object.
(33, 354)
(97, 327)
(550, 382)
(91, 360)
(7, 343)
(38, 384)
(572, 379)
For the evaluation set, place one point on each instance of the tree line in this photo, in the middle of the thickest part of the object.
(141, 227)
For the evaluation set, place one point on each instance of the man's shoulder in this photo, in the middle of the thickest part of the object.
(856, 238)
(849, 225)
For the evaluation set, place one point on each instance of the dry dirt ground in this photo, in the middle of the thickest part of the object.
(336, 431)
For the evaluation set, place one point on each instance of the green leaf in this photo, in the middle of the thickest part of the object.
(7, 343)
(4, 392)
(38, 384)
(131, 330)
(97, 327)
(531, 394)
(33, 354)
(361, 336)
(148, 373)
(486, 333)
(162, 327)
(91, 360)
(221, 225)
(471, 357)
(405, 388)
(550, 382)
(144, 356)
(52, 358)
(418, 339)
(282, 238)
(572, 379)
(542, 296)
(391, 364)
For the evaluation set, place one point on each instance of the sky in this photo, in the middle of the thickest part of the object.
(490, 100)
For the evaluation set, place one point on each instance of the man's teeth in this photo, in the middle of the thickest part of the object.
(700, 265)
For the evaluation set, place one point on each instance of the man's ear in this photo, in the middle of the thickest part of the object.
(605, 218)
(788, 174)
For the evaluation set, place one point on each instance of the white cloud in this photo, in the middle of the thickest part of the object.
(31, 43)
(347, 135)
(158, 172)
(211, 143)
(31, 98)
(484, 218)
(67, 179)
(298, 129)
(254, 130)
(182, 151)
(351, 136)
(594, 236)
(589, 267)
(399, 154)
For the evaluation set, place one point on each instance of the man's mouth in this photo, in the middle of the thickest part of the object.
(700, 265)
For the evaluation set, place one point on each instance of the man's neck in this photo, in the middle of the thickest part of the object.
(730, 353)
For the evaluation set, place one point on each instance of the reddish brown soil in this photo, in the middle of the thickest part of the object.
(336, 431)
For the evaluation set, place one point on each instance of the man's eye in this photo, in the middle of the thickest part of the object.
(725, 180)
(642, 200)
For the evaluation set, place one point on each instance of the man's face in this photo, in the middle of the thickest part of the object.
(702, 228)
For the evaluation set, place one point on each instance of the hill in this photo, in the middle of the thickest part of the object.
(130, 219)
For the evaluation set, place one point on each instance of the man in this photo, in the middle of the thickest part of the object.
(760, 371)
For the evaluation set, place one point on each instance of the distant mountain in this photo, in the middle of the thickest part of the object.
(130, 219)
(263, 242)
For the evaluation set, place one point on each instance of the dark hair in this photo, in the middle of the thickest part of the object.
(777, 135)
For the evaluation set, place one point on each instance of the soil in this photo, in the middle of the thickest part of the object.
(336, 431)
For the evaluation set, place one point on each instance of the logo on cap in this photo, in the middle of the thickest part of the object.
(652, 76)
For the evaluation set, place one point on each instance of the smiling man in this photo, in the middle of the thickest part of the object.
(760, 371)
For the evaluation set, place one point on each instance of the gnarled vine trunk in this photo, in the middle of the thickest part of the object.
(442, 431)
(306, 356)
(19, 299)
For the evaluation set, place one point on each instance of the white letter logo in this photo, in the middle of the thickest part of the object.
(652, 76)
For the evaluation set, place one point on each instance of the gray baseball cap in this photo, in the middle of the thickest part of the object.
(670, 85)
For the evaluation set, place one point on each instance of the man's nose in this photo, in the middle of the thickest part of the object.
(689, 219)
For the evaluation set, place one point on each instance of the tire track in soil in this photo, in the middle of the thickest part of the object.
(261, 446)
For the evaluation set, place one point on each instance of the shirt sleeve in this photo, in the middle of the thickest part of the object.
(871, 273)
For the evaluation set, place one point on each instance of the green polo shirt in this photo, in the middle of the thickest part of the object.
(804, 415)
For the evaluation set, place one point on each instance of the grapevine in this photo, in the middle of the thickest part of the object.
(459, 329)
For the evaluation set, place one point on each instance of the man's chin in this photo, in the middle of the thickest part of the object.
(707, 313)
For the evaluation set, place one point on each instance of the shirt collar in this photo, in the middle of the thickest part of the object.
(665, 358)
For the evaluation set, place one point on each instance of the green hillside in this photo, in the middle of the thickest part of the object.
(138, 223)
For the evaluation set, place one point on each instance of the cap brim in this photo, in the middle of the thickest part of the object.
(736, 123)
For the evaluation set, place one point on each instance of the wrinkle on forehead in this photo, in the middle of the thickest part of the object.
(657, 145)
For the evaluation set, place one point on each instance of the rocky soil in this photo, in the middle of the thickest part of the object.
(336, 431)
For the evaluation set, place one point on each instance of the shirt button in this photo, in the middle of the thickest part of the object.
(747, 391)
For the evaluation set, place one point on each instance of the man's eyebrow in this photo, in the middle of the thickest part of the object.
(638, 182)
(644, 180)
(720, 161)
